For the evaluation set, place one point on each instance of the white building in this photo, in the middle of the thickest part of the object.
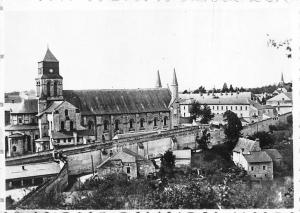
(283, 102)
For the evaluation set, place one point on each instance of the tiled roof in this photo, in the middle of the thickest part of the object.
(21, 127)
(244, 143)
(32, 170)
(49, 57)
(27, 106)
(219, 101)
(51, 108)
(257, 157)
(273, 153)
(119, 101)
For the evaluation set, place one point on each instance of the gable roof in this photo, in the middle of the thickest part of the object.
(51, 108)
(119, 101)
(244, 143)
(273, 153)
(257, 157)
(278, 97)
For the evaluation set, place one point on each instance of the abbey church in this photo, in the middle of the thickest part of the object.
(71, 117)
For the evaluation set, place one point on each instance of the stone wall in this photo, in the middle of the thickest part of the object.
(264, 125)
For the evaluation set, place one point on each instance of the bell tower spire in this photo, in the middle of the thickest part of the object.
(158, 81)
(49, 82)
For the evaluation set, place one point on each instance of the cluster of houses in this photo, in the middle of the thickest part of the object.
(248, 106)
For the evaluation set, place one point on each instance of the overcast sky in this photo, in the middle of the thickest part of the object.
(124, 49)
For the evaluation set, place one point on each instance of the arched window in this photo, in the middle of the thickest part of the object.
(90, 125)
(71, 125)
(131, 121)
(55, 88)
(66, 112)
(165, 121)
(48, 89)
(155, 121)
(117, 122)
(142, 123)
(62, 125)
(106, 125)
(14, 148)
(28, 143)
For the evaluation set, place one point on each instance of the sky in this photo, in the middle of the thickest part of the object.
(124, 48)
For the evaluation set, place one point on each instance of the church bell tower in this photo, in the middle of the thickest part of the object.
(49, 84)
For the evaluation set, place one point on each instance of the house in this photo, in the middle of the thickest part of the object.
(27, 175)
(283, 102)
(275, 155)
(128, 162)
(248, 155)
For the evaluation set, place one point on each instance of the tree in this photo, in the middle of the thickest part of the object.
(167, 164)
(206, 114)
(195, 110)
(231, 88)
(265, 139)
(185, 92)
(202, 142)
(225, 88)
(232, 129)
(285, 44)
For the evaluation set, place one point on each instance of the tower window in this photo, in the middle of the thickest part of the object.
(105, 125)
(155, 121)
(71, 125)
(48, 89)
(142, 123)
(55, 88)
(165, 121)
(62, 125)
(117, 124)
(131, 123)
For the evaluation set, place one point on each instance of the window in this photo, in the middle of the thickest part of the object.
(221, 107)
(252, 168)
(48, 89)
(64, 140)
(235, 107)
(230, 107)
(142, 123)
(217, 107)
(51, 125)
(165, 121)
(28, 143)
(62, 125)
(20, 120)
(90, 125)
(58, 141)
(71, 125)
(117, 124)
(184, 114)
(241, 108)
(246, 108)
(131, 123)
(55, 88)
(226, 107)
(264, 167)
(66, 112)
(155, 121)
(14, 148)
(69, 139)
(106, 125)
(128, 170)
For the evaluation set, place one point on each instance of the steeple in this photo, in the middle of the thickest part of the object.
(158, 82)
(174, 82)
(281, 83)
(49, 57)
(282, 78)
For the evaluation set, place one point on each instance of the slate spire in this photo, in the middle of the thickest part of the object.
(49, 57)
(158, 82)
(174, 82)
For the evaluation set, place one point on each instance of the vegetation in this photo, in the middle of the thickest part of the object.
(203, 111)
(265, 139)
(167, 164)
(232, 128)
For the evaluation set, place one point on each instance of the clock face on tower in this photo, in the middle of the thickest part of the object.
(51, 70)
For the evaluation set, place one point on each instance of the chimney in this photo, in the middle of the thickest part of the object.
(23, 167)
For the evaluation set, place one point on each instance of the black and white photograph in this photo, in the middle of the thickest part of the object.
(135, 108)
